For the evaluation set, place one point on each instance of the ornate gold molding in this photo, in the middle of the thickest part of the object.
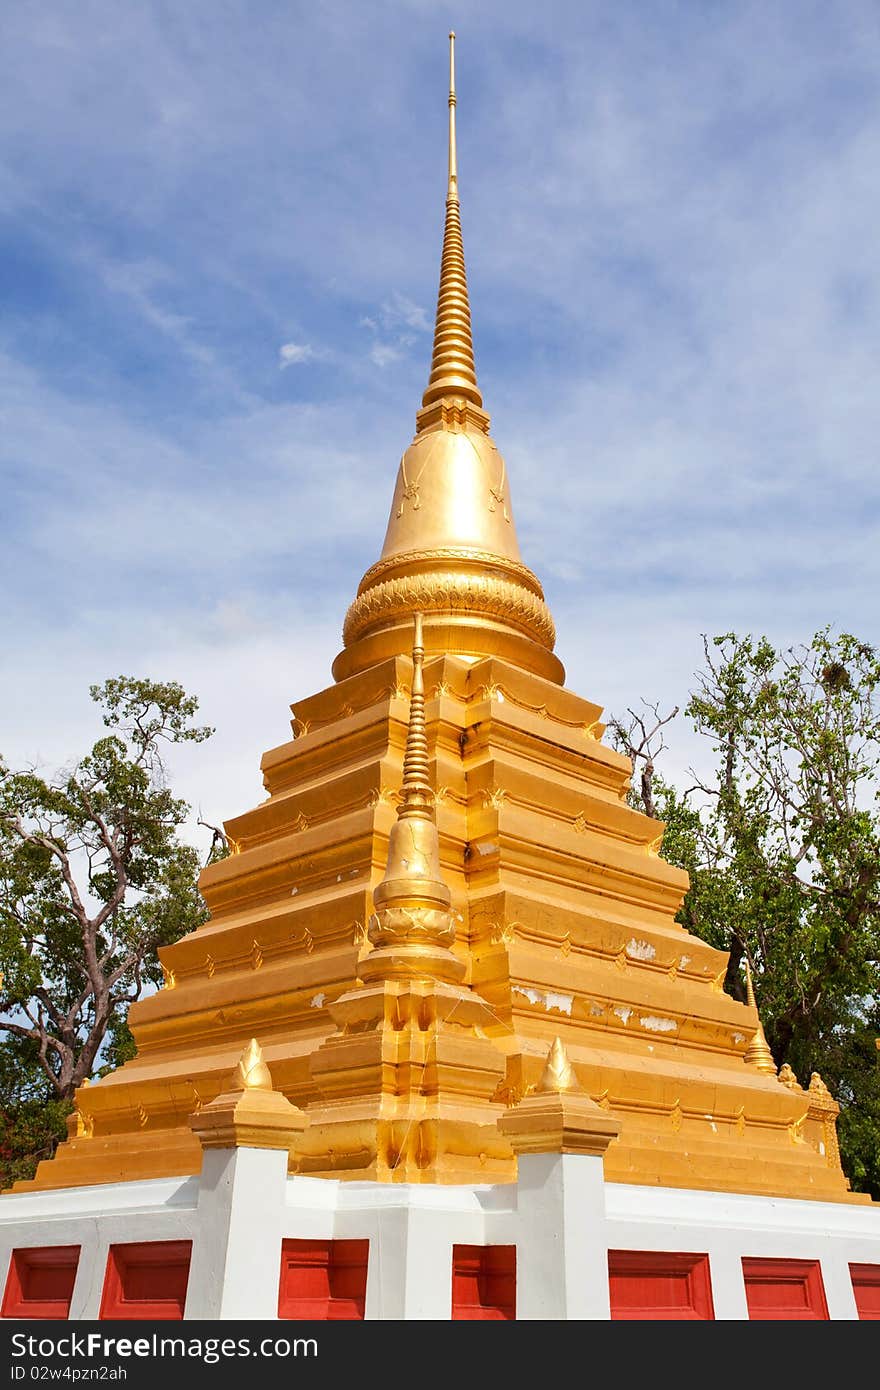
(825, 1109)
(451, 555)
(448, 590)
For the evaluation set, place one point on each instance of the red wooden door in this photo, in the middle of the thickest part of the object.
(785, 1290)
(40, 1282)
(483, 1283)
(659, 1286)
(146, 1279)
(866, 1287)
(323, 1279)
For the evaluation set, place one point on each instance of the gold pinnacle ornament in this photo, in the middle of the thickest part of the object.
(452, 365)
(250, 1112)
(559, 1116)
(758, 1053)
(411, 926)
(251, 1072)
(558, 1073)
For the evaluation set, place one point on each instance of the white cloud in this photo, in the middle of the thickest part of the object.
(291, 354)
(245, 684)
(676, 293)
(383, 354)
(143, 282)
(402, 310)
(396, 327)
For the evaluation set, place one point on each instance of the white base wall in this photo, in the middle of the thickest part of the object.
(561, 1215)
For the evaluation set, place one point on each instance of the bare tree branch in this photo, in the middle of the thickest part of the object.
(642, 741)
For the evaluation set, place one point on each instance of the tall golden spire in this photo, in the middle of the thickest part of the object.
(408, 1080)
(452, 191)
(412, 925)
(416, 795)
(450, 549)
(758, 1053)
(452, 366)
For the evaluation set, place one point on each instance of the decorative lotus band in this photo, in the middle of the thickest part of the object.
(467, 558)
(445, 591)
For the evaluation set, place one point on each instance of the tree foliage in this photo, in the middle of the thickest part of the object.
(782, 843)
(93, 880)
(31, 1124)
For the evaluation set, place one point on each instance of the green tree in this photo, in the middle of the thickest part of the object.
(782, 843)
(31, 1124)
(94, 878)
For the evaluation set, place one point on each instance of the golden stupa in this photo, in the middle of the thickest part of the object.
(405, 957)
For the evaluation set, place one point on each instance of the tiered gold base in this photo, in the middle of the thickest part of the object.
(565, 923)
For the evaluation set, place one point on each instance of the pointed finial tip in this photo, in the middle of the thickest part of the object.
(251, 1072)
(758, 1053)
(559, 1074)
(750, 986)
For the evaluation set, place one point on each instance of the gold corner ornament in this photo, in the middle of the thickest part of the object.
(251, 1072)
(758, 1053)
(788, 1079)
(824, 1110)
(558, 1116)
(250, 1112)
(558, 1074)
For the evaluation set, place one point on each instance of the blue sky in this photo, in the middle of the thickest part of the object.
(220, 229)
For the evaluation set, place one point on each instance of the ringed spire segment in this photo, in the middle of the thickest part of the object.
(417, 796)
(758, 1053)
(453, 163)
(453, 373)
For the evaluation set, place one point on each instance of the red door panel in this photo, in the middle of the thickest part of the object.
(325, 1280)
(40, 1282)
(866, 1287)
(659, 1286)
(146, 1279)
(784, 1290)
(483, 1283)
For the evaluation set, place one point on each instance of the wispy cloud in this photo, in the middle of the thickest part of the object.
(383, 354)
(396, 326)
(401, 311)
(142, 283)
(292, 354)
(675, 284)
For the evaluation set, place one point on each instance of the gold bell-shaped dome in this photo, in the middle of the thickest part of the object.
(451, 550)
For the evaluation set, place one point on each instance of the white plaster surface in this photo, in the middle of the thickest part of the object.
(561, 1215)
